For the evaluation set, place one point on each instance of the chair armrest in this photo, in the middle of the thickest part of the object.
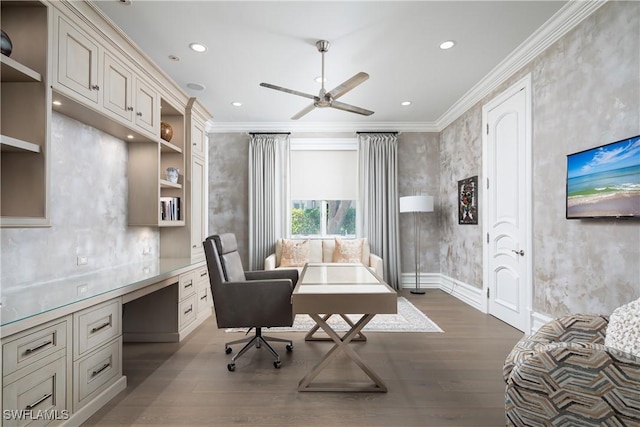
(587, 328)
(375, 262)
(270, 262)
(574, 381)
(291, 274)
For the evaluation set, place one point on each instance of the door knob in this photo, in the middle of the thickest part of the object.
(520, 252)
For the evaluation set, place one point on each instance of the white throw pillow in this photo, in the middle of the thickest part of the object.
(623, 332)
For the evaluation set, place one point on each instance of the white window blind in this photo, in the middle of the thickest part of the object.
(325, 174)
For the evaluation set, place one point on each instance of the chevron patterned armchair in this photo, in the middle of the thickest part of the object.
(578, 370)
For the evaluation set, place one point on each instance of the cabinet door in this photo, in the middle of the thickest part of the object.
(198, 203)
(118, 88)
(147, 108)
(77, 62)
(197, 139)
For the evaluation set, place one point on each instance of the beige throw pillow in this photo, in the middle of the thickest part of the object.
(295, 254)
(348, 250)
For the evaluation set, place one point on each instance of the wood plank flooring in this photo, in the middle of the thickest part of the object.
(434, 379)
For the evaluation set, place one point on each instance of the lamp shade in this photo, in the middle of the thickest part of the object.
(420, 203)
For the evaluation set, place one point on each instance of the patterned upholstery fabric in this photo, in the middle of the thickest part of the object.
(564, 375)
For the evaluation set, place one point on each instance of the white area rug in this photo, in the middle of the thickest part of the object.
(408, 319)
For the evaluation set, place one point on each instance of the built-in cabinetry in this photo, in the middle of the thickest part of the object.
(171, 312)
(66, 363)
(35, 368)
(25, 115)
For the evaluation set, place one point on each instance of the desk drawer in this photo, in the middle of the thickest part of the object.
(42, 391)
(95, 372)
(202, 277)
(34, 344)
(186, 285)
(96, 326)
(187, 311)
(203, 302)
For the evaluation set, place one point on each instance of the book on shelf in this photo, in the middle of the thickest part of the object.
(170, 208)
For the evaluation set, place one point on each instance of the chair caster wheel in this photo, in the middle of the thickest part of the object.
(228, 350)
(289, 347)
(276, 364)
(231, 367)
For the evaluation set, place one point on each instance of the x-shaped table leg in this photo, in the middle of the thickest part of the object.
(325, 317)
(342, 343)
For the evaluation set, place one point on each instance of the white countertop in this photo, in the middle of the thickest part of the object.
(23, 302)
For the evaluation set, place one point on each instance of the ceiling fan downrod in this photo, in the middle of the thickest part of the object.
(323, 46)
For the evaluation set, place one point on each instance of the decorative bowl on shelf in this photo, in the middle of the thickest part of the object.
(166, 131)
(5, 45)
(172, 175)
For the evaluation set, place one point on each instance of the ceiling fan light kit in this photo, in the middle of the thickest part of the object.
(327, 99)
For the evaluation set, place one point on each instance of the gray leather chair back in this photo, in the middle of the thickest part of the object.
(227, 247)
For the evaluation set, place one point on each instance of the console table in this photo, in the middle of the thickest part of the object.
(325, 289)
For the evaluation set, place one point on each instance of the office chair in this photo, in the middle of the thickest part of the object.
(248, 299)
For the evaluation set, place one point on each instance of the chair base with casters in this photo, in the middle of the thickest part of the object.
(258, 339)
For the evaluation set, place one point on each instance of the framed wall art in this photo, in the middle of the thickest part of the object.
(468, 201)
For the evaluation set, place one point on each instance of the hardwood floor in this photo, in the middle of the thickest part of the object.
(434, 379)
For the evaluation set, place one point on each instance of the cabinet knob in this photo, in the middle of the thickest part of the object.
(95, 87)
(139, 114)
(129, 108)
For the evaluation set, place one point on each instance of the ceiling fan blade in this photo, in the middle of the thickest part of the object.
(345, 87)
(351, 108)
(291, 91)
(304, 111)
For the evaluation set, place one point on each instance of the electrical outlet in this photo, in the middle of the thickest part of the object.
(82, 289)
(82, 260)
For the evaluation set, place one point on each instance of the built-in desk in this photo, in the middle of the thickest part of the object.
(62, 339)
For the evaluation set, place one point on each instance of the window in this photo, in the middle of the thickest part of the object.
(323, 187)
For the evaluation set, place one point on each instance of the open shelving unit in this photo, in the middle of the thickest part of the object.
(25, 116)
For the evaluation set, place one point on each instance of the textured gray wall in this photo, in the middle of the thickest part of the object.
(586, 92)
(419, 172)
(228, 187)
(88, 211)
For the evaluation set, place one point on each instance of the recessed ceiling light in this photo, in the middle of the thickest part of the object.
(196, 86)
(198, 47)
(236, 104)
(130, 136)
(447, 44)
(58, 103)
(174, 58)
(405, 103)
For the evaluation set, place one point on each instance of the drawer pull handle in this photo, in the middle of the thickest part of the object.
(188, 285)
(97, 371)
(97, 328)
(38, 347)
(39, 401)
(204, 298)
(203, 274)
(188, 310)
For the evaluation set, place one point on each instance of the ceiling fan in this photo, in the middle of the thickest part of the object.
(324, 98)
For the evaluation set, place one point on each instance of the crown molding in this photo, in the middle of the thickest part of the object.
(563, 21)
(234, 127)
(551, 31)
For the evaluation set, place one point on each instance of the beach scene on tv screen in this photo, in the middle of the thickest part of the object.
(605, 181)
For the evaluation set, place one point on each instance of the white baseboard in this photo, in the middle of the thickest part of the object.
(466, 293)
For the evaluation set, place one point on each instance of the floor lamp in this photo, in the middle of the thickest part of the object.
(416, 205)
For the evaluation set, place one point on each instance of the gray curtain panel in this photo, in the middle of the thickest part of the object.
(268, 194)
(378, 199)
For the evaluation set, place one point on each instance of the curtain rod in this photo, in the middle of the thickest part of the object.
(269, 133)
(393, 132)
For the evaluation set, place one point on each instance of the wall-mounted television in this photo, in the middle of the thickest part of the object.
(605, 181)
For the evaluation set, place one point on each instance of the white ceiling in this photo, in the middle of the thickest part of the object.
(395, 42)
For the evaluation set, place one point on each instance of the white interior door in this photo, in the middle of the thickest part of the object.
(507, 205)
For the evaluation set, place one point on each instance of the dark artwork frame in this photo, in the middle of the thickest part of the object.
(468, 200)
